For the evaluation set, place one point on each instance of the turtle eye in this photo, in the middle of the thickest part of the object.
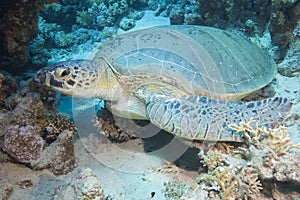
(65, 73)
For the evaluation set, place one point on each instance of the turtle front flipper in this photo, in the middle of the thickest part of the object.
(201, 118)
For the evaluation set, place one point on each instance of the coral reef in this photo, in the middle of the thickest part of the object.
(107, 126)
(284, 18)
(252, 17)
(212, 159)
(83, 19)
(18, 27)
(59, 156)
(23, 143)
(102, 14)
(230, 178)
(26, 110)
(174, 189)
(277, 138)
(56, 125)
(1, 76)
(7, 87)
(290, 67)
(127, 24)
(5, 189)
(177, 16)
(39, 55)
(28, 133)
(265, 163)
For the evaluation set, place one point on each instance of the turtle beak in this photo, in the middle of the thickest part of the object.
(52, 82)
(46, 77)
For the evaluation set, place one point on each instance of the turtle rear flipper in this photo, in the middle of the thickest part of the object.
(201, 118)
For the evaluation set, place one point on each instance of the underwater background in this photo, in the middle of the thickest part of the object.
(42, 156)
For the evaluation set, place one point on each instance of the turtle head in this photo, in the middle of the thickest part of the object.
(78, 78)
(84, 78)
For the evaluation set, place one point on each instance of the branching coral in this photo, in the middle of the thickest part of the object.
(212, 159)
(250, 134)
(250, 182)
(278, 137)
(233, 183)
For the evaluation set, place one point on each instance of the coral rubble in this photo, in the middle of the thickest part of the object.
(85, 185)
(5, 189)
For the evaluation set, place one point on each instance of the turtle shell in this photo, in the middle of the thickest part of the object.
(208, 61)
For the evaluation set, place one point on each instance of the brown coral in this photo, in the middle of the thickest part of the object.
(59, 156)
(56, 125)
(23, 144)
(8, 86)
(107, 126)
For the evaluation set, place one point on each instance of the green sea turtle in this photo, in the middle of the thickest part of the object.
(186, 80)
